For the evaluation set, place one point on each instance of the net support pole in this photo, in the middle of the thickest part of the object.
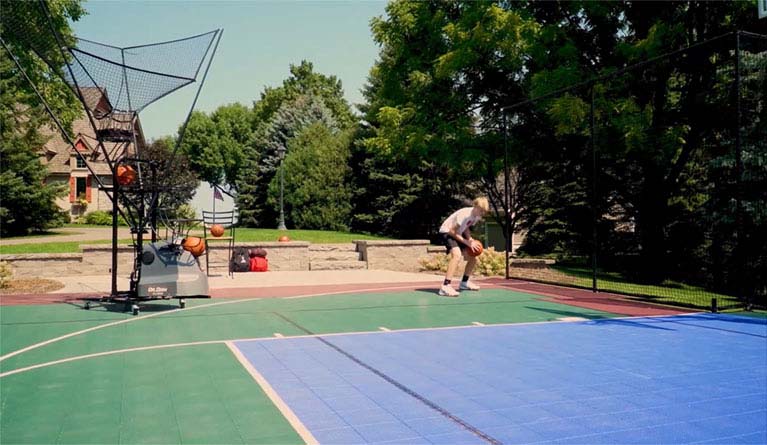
(738, 169)
(593, 193)
(506, 194)
(115, 208)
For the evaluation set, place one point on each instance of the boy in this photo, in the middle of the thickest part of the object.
(455, 233)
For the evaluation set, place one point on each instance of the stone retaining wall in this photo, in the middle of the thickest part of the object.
(400, 255)
(96, 259)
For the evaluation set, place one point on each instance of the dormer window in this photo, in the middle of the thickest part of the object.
(80, 162)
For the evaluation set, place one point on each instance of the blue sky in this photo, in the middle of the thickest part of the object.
(261, 39)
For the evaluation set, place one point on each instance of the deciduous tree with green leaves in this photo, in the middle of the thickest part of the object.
(216, 144)
(444, 70)
(176, 174)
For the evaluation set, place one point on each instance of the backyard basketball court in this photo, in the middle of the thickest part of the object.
(328, 361)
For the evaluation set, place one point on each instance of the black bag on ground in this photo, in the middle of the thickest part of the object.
(240, 260)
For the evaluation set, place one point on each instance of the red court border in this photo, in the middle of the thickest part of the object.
(602, 301)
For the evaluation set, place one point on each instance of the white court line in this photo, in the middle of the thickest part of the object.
(288, 413)
(384, 328)
(102, 354)
(476, 323)
(334, 334)
(173, 311)
(374, 289)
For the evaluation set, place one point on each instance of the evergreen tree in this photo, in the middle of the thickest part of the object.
(27, 203)
(262, 157)
(317, 188)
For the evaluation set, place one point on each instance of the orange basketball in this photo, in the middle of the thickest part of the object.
(125, 174)
(217, 230)
(476, 249)
(283, 238)
(194, 245)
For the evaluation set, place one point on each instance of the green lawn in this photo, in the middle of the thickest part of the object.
(90, 226)
(52, 247)
(678, 294)
(312, 236)
(244, 235)
(47, 233)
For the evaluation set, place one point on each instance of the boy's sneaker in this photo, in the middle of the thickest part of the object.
(468, 285)
(448, 291)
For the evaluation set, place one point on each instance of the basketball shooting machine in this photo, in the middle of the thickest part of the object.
(113, 85)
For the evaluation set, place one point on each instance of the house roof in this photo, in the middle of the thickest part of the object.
(57, 153)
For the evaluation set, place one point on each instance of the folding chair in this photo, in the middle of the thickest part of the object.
(227, 220)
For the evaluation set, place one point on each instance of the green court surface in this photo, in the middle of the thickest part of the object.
(197, 393)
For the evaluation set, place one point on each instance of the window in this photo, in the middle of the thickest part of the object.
(80, 188)
(80, 162)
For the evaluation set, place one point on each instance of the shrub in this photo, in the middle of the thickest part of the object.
(6, 273)
(434, 262)
(489, 263)
(185, 211)
(100, 218)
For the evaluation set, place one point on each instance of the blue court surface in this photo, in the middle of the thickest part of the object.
(682, 379)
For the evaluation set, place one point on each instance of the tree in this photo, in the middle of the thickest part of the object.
(304, 81)
(27, 203)
(317, 190)
(263, 155)
(444, 70)
(237, 146)
(201, 145)
(216, 144)
(26, 29)
(177, 175)
(652, 124)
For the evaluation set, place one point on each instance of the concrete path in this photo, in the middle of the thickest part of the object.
(70, 234)
(102, 283)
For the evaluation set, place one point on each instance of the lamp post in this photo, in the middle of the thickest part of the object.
(281, 153)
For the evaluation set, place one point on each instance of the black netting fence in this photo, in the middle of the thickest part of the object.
(652, 181)
(111, 85)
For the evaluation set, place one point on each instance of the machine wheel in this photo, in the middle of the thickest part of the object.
(182, 303)
(135, 309)
(87, 305)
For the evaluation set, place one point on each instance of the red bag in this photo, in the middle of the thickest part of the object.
(259, 264)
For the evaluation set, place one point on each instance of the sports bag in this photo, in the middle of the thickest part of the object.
(259, 264)
(258, 251)
(240, 260)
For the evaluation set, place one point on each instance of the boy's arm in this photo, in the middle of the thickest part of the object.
(463, 238)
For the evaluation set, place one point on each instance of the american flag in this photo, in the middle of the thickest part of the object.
(217, 194)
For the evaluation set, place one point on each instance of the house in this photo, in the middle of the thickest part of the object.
(67, 168)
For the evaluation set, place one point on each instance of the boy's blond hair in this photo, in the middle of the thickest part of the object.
(482, 203)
